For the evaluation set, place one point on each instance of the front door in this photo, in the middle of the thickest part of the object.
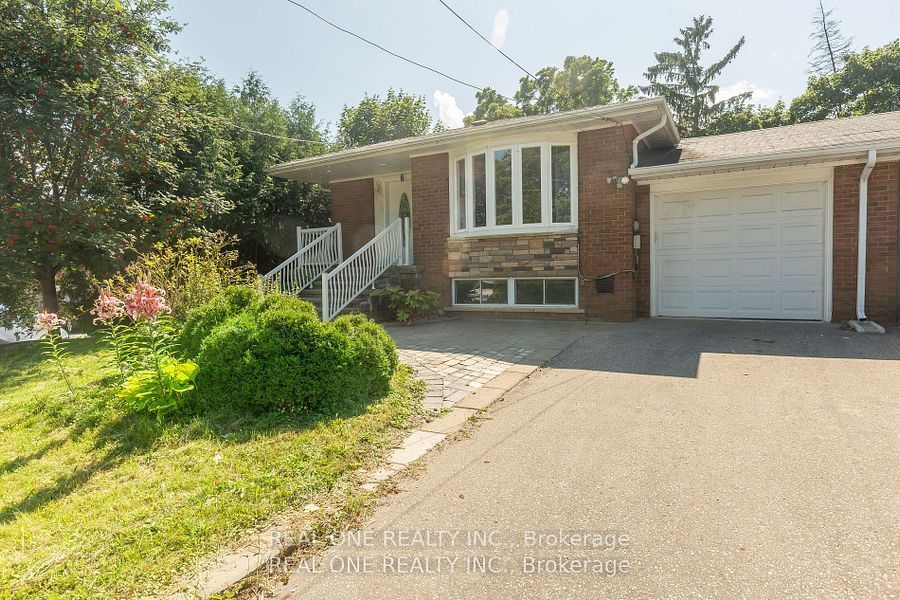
(398, 203)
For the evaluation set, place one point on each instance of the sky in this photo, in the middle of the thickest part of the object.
(297, 54)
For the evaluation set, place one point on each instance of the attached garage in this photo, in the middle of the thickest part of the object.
(747, 251)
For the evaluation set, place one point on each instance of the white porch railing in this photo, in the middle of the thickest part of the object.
(320, 250)
(349, 279)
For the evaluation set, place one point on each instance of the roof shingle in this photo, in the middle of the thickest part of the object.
(815, 135)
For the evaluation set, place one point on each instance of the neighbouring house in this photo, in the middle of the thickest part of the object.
(606, 213)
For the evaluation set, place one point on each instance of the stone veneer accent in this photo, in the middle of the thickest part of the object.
(521, 255)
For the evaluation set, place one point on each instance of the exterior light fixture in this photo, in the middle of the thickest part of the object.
(619, 180)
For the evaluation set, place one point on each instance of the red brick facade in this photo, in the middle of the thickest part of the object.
(431, 221)
(881, 246)
(604, 242)
(353, 206)
(605, 216)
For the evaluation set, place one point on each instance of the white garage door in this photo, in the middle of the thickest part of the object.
(748, 252)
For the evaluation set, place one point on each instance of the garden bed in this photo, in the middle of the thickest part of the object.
(95, 501)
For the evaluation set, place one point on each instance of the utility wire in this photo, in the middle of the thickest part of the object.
(383, 49)
(487, 41)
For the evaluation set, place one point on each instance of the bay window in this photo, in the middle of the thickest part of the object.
(516, 187)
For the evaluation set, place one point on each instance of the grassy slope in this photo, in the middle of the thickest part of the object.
(96, 503)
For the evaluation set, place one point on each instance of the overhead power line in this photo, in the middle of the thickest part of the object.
(383, 49)
(486, 41)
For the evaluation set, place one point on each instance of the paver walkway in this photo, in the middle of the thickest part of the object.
(456, 358)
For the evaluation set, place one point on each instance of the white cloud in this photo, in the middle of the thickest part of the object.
(501, 24)
(449, 113)
(760, 94)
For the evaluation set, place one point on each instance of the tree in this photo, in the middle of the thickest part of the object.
(90, 129)
(375, 120)
(491, 106)
(748, 117)
(582, 81)
(686, 84)
(261, 202)
(868, 82)
(830, 45)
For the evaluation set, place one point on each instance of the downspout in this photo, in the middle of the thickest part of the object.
(637, 140)
(863, 228)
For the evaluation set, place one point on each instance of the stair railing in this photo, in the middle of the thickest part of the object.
(322, 250)
(348, 280)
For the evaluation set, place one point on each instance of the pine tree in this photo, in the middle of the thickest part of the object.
(830, 45)
(686, 84)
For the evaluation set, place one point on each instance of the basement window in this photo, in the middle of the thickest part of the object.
(550, 291)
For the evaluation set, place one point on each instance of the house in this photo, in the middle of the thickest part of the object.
(606, 213)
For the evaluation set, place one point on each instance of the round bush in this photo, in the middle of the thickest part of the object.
(203, 319)
(278, 356)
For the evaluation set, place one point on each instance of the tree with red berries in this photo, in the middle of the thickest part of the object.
(93, 125)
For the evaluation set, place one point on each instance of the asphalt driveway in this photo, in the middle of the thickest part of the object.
(698, 459)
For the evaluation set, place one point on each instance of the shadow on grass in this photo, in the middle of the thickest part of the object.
(133, 434)
(21, 361)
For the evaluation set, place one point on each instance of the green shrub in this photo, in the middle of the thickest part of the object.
(191, 270)
(276, 355)
(203, 319)
(409, 305)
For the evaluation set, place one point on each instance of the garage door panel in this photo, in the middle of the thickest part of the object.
(715, 237)
(757, 235)
(793, 234)
(751, 252)
(677, 240)
(760, 202)
(714, 206)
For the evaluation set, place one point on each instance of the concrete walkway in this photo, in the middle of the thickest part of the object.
(696, 459)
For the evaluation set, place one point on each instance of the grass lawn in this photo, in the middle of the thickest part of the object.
(97, 503)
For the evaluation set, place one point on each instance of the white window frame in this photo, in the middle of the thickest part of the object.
(517, 226)
(511, 293)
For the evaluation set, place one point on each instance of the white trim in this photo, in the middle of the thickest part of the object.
(546, 144)
(703, 183)
(582, 119)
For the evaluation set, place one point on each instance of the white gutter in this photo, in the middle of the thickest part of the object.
(863, 228)
(652, 130)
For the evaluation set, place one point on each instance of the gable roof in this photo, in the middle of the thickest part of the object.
(831, 139)
(394, 156)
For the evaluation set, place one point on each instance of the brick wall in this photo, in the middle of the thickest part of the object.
(605, 215)
(881, 246)
(431, 221)
(538, 255)
(642, 282)
(353, 206)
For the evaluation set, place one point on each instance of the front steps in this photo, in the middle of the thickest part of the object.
(376, 309)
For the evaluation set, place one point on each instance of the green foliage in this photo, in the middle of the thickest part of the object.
(264, 207)
(204, 318)
(277, 356)
(55, 349)
(748, 117)
(582, 81)
(91, 125)
(686, 84)
(155, 379)
(159, 391)
(409, 305)
(190, 270)
(375, 120)
(868, 82)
